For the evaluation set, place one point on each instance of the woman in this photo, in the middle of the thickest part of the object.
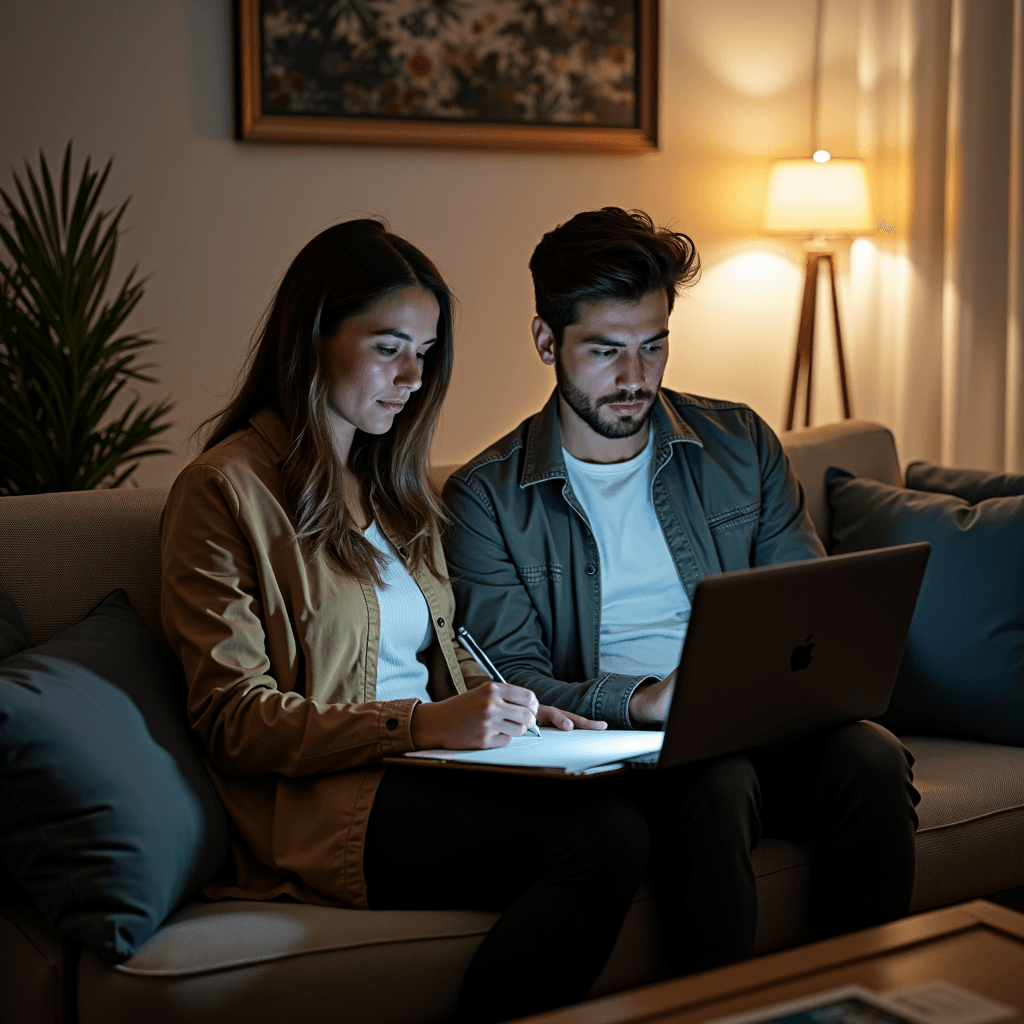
(304, 590)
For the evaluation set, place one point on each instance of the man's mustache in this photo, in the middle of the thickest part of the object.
(622, 397)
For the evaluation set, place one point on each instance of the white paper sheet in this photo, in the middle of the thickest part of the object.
(574, 751)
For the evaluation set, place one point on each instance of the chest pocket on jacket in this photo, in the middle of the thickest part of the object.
(534, 574)
(734, 518)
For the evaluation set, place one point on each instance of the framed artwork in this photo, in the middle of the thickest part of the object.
(571, 75)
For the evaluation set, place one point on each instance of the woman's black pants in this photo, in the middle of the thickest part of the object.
(561, 858)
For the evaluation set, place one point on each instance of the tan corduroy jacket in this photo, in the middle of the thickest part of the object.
(280, 658)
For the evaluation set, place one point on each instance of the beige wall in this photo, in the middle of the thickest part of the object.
(215, 221)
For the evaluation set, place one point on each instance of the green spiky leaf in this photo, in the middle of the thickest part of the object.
(63, 361)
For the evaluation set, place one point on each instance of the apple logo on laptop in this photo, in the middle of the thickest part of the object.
(801, 657)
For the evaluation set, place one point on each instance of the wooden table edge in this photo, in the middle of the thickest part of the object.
(996, 916)
(664, 997)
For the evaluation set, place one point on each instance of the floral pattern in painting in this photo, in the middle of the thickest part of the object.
(562, 62)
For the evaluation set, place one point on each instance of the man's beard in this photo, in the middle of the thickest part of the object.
(590, 413)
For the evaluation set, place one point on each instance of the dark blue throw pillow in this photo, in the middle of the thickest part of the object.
(107, 817)
(963, 666)
(973, 485)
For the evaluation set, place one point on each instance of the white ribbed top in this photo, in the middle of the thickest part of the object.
(405, 627)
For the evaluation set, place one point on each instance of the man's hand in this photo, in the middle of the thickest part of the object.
(566, 720)
(489, 715)
(649, 703)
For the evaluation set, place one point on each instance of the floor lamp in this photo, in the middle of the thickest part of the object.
(821, 198)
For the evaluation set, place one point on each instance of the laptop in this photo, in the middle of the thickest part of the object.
(770, 654)
(778, 652)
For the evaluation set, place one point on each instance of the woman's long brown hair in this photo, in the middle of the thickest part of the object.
(338, 274)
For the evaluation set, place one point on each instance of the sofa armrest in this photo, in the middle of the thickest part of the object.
(37, 970)
(63, 552)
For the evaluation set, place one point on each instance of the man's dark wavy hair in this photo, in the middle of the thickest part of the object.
(609, 253)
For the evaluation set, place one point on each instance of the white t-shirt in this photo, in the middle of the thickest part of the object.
(405, 627)
(644, 608)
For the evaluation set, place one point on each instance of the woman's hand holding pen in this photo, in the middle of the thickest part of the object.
(489, 715)
(553, 717)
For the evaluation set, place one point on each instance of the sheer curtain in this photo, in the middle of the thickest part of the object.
(936, 296)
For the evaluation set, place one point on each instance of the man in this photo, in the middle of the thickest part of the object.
(577, 544)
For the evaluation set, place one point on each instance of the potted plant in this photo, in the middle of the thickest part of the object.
(64, 361)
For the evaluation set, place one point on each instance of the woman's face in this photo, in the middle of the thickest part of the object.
(375, 361)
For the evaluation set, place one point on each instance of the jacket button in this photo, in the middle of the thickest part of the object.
(591, 568)
(440, 623)
(391, 724)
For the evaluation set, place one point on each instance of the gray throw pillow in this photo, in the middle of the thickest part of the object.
(108, 819)
(963, 666)
(972, 485)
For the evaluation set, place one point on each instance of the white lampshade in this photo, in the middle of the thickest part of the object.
(805, 197)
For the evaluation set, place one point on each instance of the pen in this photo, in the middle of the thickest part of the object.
(479, 655)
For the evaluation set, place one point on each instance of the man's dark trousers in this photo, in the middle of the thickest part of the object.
(849, 790)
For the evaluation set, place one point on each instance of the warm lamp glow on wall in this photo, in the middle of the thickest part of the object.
(819, 197)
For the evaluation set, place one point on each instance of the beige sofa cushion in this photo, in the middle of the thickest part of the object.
(274, 962)
(971, 837)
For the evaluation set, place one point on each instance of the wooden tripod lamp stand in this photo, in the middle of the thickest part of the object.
(817, 197)
(803, 362)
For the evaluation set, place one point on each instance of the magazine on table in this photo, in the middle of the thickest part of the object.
(936, 1002)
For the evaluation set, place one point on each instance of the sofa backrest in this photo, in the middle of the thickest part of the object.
(862, 448)
(859, 446)
(61, 553)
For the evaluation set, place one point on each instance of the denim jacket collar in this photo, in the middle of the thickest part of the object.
(543, 458)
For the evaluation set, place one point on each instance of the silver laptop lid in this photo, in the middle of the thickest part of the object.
(780, 651)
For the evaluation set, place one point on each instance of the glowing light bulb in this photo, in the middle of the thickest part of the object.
(822, 156)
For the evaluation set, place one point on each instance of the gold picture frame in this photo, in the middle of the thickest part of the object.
(265, 82)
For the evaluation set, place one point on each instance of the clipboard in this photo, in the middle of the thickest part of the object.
(580, 753)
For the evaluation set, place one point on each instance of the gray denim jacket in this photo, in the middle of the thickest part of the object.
(525, 562)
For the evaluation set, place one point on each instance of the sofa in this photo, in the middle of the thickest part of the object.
(269, 962)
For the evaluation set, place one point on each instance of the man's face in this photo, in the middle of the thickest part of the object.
(610, 363)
